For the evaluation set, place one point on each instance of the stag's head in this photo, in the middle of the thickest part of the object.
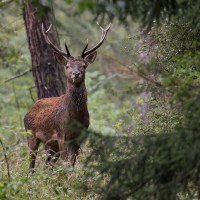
(75, 66)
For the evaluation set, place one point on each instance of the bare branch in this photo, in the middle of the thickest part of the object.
(30, 90)
(17, 76)
(5, 2)
(16, 99)
(4, 151)
(130, 71)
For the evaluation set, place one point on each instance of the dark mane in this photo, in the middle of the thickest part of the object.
(76, 97)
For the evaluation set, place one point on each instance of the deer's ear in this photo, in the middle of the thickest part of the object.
(91, 58)
(60, 59)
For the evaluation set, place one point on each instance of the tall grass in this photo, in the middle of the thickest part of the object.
(45, 183)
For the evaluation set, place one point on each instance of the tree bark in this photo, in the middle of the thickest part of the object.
(49, 76)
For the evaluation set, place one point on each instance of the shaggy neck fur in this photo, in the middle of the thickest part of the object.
(76, 97)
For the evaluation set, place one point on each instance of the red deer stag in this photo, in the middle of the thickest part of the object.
(47, 117)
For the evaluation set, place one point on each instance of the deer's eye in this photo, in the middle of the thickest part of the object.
(67, 67)
(84, 66)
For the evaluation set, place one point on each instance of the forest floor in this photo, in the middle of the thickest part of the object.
(45, 183)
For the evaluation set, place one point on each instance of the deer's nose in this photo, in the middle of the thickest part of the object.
(76, 73)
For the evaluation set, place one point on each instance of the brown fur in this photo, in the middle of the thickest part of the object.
(47, 117)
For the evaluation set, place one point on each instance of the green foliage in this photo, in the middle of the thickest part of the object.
(16, 99)
(146, 11)
(163, 166)
(45, 183)
(157, 159)
(130, 155)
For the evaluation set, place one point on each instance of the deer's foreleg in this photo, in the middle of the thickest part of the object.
(73, 151)
(33, 144)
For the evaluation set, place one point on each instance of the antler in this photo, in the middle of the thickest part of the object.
(52, 45)
(104, 32)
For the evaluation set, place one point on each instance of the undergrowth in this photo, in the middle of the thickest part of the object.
(45, 183)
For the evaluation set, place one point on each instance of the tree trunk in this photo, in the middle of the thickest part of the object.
(49, 76)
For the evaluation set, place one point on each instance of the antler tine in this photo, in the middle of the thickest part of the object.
(48, 29)
(82, 55)
(43, 31)
(52, 45)
(66, 48)
(104, 32)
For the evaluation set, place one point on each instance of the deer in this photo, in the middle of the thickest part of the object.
(46, 119)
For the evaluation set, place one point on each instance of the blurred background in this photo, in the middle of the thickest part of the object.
(108, 80)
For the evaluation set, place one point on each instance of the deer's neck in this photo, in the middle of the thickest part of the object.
(76, 97)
